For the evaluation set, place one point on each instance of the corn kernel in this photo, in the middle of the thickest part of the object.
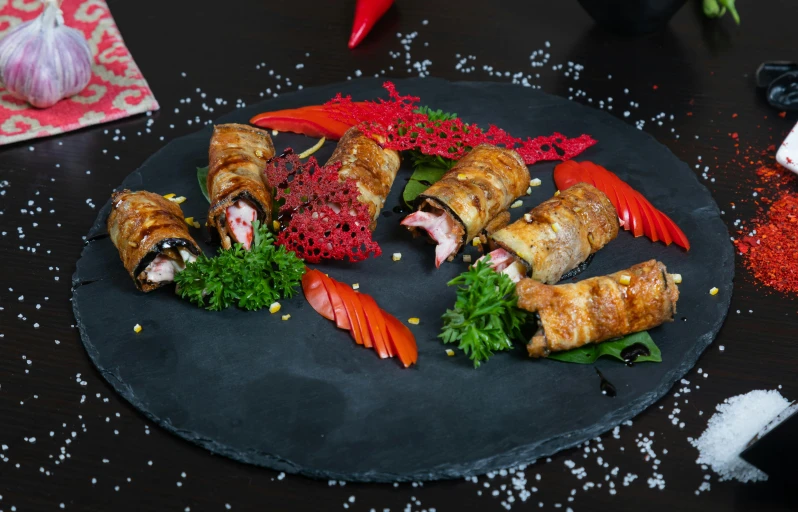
(137, 328)
(275, 307)
(449, 352)
(196, 224)
(286, 317)
(413, 321)
(528, 217)
(476, 241)
(276, 224)
(555, 227)
(178, 200)
(677, 278)
(517, 204)
(131, 243)
(259, 153)
(557, 193)
(169, 196)
(189, 221)
(467, 258)
(355, 286)
(462, 177)
(714, 291)
(625, 279)
(535, 182)
(528, 190)
(396, 256)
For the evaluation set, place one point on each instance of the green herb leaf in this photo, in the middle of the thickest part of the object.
(486, 317)
(590, 353)
(248, 279)
(202, 177)
(420, 180)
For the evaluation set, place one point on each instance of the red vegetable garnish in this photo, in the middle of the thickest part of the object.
(321, 216)
(369, 325)
(397, 126)
(367, 12)
(635, 211)
(313, 121)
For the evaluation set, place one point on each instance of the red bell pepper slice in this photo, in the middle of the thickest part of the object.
(402, 338)
(316, 294)
(649, 224)
(348, 298)
(341, 315)
(678, 235)
(376, 323)
(569, 173)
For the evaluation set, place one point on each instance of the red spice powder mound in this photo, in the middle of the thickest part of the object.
(321, 217)
(397, 126)
(771, 254)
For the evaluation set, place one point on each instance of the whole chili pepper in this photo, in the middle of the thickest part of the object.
(367, 12)
(313, 121)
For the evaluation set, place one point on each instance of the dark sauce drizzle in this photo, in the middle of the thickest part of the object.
(606, 386)
(578, 270)
(632, 352)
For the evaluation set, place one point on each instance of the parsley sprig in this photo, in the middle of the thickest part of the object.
(486, 317)
(248, 279)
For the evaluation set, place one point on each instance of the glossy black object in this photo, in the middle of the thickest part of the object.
(775, 452)
(632, 16)
(771, 70)
(300, 396)
(783, 92)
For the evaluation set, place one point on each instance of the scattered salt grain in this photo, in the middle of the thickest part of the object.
(728, 431)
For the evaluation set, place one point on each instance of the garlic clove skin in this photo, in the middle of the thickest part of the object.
(43, 60)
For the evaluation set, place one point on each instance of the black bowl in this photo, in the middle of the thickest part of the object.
(632, 16)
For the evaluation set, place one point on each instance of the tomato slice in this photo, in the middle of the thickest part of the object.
(348, 298)
(402, 339)
(376, 323)
(649, 224)
(569, 173)
(341, 316)
(678, 235)
(316, 294)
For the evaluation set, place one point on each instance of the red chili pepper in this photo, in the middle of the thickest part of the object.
(312, 121)
(367, 12)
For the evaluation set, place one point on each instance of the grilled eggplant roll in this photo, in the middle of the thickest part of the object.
(151, 236)
(237, 158)
(556, 236)
(598, 309)
(470, 196)
(372, 167)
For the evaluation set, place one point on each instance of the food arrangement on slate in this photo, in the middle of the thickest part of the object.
(594, 262)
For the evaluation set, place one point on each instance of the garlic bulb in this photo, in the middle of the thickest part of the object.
(43, 60)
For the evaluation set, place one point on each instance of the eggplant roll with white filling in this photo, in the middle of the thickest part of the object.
(151, 236)
(598, 309)
(556, 236)
(469, 197)
(237, 158)
(372, 167)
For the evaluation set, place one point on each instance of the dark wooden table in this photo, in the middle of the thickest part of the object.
(698, 71)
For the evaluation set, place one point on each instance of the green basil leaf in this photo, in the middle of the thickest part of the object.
(202, 178)
(590, 353)
(420, 180)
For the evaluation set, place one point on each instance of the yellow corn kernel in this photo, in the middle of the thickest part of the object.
(624, 279)
(396, 256)
(557, 193)
(535, 182)
(677, 278)
(259, 153)
(189, 221)
(517, 204)
(577, 209)
(196, 224)
(286, 317)
(178, 199)
(714, 291)
(276, 224)
(355, 286)
(137, 328)
(413, 321)
(476, 241)
(449, 352)
(275, 307)
(169, 196)
(462, 177)
(528, 217)
(555, 227)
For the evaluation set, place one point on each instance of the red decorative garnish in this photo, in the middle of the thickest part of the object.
(396, 125)
(320, 215)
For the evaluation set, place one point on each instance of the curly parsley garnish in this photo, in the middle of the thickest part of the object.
(486, 317)
(248, 279)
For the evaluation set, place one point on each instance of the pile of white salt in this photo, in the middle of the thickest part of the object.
(730, 429)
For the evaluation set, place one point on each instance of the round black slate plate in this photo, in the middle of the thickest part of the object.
(301, 397)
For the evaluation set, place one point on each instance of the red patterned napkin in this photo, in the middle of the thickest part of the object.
(116, 89)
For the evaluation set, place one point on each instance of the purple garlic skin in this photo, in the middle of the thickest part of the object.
(43, 60)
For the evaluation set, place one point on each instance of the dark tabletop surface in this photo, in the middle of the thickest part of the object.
(696, 79)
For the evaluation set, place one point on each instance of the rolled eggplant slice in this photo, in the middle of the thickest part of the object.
(462, 204)
(600, 308)
(238, 193)
(372, 167)
(559, 234)
(151, 236)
